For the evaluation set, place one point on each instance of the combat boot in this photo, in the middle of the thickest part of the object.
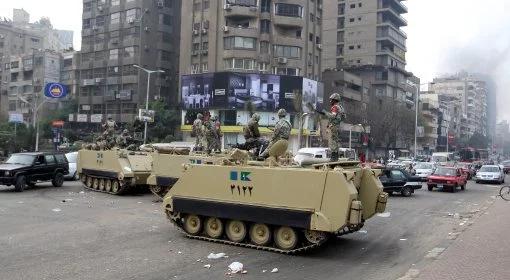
(334, 156)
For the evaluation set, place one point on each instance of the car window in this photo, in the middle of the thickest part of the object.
(49, 159)
(397, 174)
(21, 159)
(60, 158)
(318, 156)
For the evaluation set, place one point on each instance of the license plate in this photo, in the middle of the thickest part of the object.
(440, 186)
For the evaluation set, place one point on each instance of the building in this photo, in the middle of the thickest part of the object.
(261, 54)
(429, 112)
(116, 36)
(252, 36)
(502, 138)
(449, 118)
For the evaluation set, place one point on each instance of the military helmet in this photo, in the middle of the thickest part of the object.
(256, 117)
(335, 96)
(110, 117)
(214, 118)
(282, 113)
(200, 116)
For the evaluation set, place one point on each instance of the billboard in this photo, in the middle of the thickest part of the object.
(244, 91)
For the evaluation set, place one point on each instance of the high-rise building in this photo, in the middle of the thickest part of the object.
(254, 36)
(116, 36)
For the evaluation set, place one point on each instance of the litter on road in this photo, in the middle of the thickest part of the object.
(275, 270)
(217, 256)
(384, 215)
(235, 267)
(56, 209)
(207, 266)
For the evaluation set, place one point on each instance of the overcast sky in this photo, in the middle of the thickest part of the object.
(444, 36)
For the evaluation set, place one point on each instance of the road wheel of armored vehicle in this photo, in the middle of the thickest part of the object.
(101, 184)
(95, 183)
(285, 238)
(236, 230)
(192, 224)
(108, 185)
(315, 237)
(115, 186)
(83, 178)
(213, 227)
(88, 183)
(260, 234)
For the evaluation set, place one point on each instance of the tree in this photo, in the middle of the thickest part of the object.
(166, 122)
(478, 141)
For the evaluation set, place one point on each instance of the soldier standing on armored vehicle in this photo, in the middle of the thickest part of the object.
(197, 131)
(280, 140)
(125, 139)
(213, 135)
(336, 115)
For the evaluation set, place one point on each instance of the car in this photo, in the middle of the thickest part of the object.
(398, 180)
(490, 174)
(506, 166)
(424, 170)
(309, 156)
(27, 169)
(72, 159)
(447, 178)
(467, 168)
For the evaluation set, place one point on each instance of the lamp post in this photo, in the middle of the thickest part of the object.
(416, 103)
(301, 124)
(35, 108)
(350, 134)
(149, 72)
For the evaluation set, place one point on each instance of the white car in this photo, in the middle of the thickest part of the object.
(424, 170)
(309, 156)
(490, 173)
(72, 159)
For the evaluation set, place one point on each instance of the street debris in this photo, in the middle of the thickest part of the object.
(67, 200)
(235, 267)
(207, 266)
(82, 192)
(264, 270)
(217, 256)
(56, 209)
(384, 215)
(20, 202)
(434, 253)
(363, 231)
(456, 216)
(403, 239)
(139, 202)
(179, 252)
(275, 270)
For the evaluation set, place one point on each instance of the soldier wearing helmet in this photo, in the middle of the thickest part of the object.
(197, 131)
(212, 134)
(336, 115)
(280, 140)
(251, 131)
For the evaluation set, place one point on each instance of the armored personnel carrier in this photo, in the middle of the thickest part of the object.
(113, 171)
(280, 209)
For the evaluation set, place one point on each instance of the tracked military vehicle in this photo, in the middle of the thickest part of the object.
(113, 171)
(280, 209)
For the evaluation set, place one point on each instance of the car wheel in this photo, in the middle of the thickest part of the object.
(478, 182)
(463, 187)
(390, 193)
(430, 188)
(21, 183)
(406, 192)
(58, 180)
(453, 188)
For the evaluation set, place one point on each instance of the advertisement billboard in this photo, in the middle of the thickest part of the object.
(244, 91)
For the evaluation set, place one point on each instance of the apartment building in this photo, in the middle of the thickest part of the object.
(429, 112)
(252, 36)
(116, 36)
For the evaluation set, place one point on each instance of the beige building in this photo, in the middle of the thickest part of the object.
(429, 112)
(254, 36)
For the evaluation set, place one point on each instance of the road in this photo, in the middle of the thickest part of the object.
(67, 233)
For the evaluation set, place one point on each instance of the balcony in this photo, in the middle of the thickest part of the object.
(395, 5)
(239, 31)
(240, 11)
(288, 21)
(390, 35)
(388, 15)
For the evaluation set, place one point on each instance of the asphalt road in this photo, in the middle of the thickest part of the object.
(68, 233)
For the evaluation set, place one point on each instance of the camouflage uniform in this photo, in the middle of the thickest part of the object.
(251, 131)
(198, 129)
(216, 135)
(282, 131)
(125, 139)
(335, 116)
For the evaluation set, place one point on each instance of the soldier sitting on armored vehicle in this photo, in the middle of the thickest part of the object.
(280, 140)
(253, 141)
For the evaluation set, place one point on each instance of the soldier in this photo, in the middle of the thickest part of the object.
(251, 131)
(197, 131)
(336, 115)
(125, 139)
(216, 134)
(280, 140)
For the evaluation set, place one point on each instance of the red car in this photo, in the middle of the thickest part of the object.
(447, 178)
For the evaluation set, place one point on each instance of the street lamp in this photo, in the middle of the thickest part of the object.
(35, 108)
(149, 72)
(416, 103)
(350, 134)
(301, 124)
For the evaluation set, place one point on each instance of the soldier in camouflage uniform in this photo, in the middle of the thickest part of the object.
(336, 115)
(125, 139)
(215, 135)
(198, 132)
(251, 131)
(280, 140)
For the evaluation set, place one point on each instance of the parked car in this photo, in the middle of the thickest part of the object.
(27, 169)
(490, 174)
(506, 166)
(72, 159)
(468, 169)
(447, 178)
(397, 180)
(424, 170)
(309, 156)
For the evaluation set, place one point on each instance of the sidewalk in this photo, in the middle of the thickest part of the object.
(481, 252)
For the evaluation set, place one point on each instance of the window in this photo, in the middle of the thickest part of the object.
(67, 62)
(263, 66)
(14, 64)
(353, 6)
(132, 15)
(265, 6)
(286, 71)
(165, 19)
(351, 47)
(339, 50)
(115, 18)
(265, 26)
(197, 6)
(113, 71)
(249, 3)
(115, 2)
(341, 9)
(288, 10)
(128, 70)
(86, 23)
(239, 43)
(87, 7)
(130, 52)
(98, 56)
(240, 63)
(205, 67)
(206, 5)
(194, 68)
(340, 24)
(35, 40)
(49, 159)
(205, 46)
(351, 20)
(100, 21)
(114, 54)
(166, 56)
(196, 46)
(167, 37)
(264, 47)
(287, 51)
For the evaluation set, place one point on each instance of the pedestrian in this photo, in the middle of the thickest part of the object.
(280, 139)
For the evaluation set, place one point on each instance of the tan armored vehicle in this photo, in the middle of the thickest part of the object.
(281, 209)
(113, 171)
